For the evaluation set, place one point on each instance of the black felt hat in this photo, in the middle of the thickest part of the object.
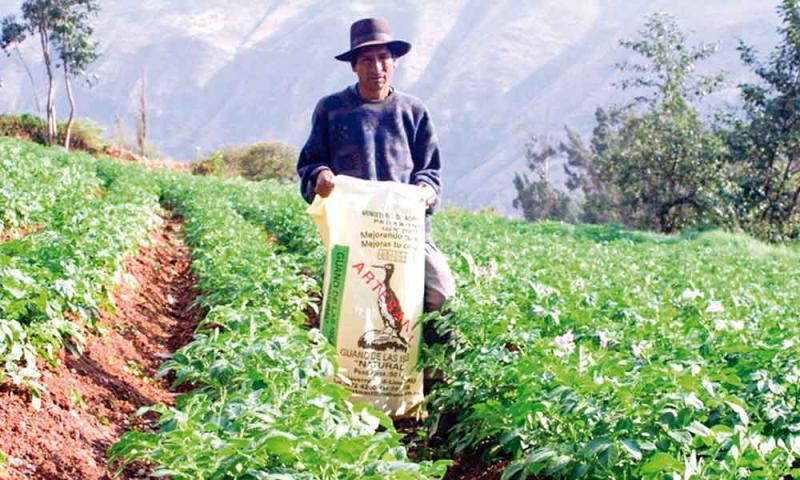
(372, 31)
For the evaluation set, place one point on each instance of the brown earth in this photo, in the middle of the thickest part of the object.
(470, 466)
(17, 233)
(125, 155)
(473, 468)
(91, 399)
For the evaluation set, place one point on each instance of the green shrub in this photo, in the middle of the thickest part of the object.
(260, 161)
(86, 134)
(24, 126)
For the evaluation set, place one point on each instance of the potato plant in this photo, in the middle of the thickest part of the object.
(592, 352)
(54, 281)
(576, 351)
(264, 406)
(35, 180)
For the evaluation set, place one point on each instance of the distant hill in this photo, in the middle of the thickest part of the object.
(492, 73)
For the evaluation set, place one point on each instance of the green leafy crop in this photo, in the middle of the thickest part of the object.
(576, 351)
(54, 281)
(591, 352)
(264, 406)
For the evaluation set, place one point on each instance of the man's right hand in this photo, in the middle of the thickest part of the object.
(324, 183)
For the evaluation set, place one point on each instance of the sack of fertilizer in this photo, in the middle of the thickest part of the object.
(374, 235)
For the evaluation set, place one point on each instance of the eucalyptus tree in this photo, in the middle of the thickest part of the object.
(37, 20)
(72, 37)
(63, 26)
(11, 32)
(538, 198)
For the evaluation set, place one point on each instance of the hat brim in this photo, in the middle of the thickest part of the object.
(398, 48)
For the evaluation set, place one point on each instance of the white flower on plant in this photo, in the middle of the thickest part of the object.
(744, 473)
(689, 295)
(792, 378)
(489, 271)
(714, 306)
(565, 344)
(605, 339)
(767, 446)
(542, 290)
(692, 466)
(734, 325)
(640, 348)
(794, 444)
(776, 388)
(493, 267)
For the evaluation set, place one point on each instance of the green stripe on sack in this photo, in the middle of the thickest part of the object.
(333, 301)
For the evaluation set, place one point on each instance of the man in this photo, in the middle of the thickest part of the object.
(371, 131)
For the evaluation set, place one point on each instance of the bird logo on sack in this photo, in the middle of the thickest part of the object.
(390, 336)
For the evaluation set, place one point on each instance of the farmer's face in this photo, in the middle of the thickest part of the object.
(374, 67)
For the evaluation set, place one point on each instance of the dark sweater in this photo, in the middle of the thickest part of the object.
(391, 139)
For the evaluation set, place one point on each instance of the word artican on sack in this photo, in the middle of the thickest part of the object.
(393, 306)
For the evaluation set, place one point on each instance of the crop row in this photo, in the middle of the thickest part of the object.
(590, 353)
(598, 353)
(263, 406)
(278, 208)
(54, 282)
(36, 179)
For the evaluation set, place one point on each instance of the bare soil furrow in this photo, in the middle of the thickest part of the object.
(91, 399)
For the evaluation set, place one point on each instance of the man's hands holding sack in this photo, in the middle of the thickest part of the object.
(325, 186)
(324, 183)
(430, 193)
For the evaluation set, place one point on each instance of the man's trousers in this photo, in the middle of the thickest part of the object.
(439, 281)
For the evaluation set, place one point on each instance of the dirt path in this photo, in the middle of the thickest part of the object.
(91, 399)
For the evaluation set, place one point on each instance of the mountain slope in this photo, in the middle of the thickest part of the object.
(491, 73)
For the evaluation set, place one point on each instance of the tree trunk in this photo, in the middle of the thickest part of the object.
(141, 130)
(30, 77)
(51, 86)
(664, 209)
(71, 107)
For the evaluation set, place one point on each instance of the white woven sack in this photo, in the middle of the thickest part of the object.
(374, 234)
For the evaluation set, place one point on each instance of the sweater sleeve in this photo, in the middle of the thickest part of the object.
(425, 153)
(315, 155)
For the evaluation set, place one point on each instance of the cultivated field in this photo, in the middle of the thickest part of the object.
(573, 352)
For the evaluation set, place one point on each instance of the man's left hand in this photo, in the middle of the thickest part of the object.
(429, 195)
